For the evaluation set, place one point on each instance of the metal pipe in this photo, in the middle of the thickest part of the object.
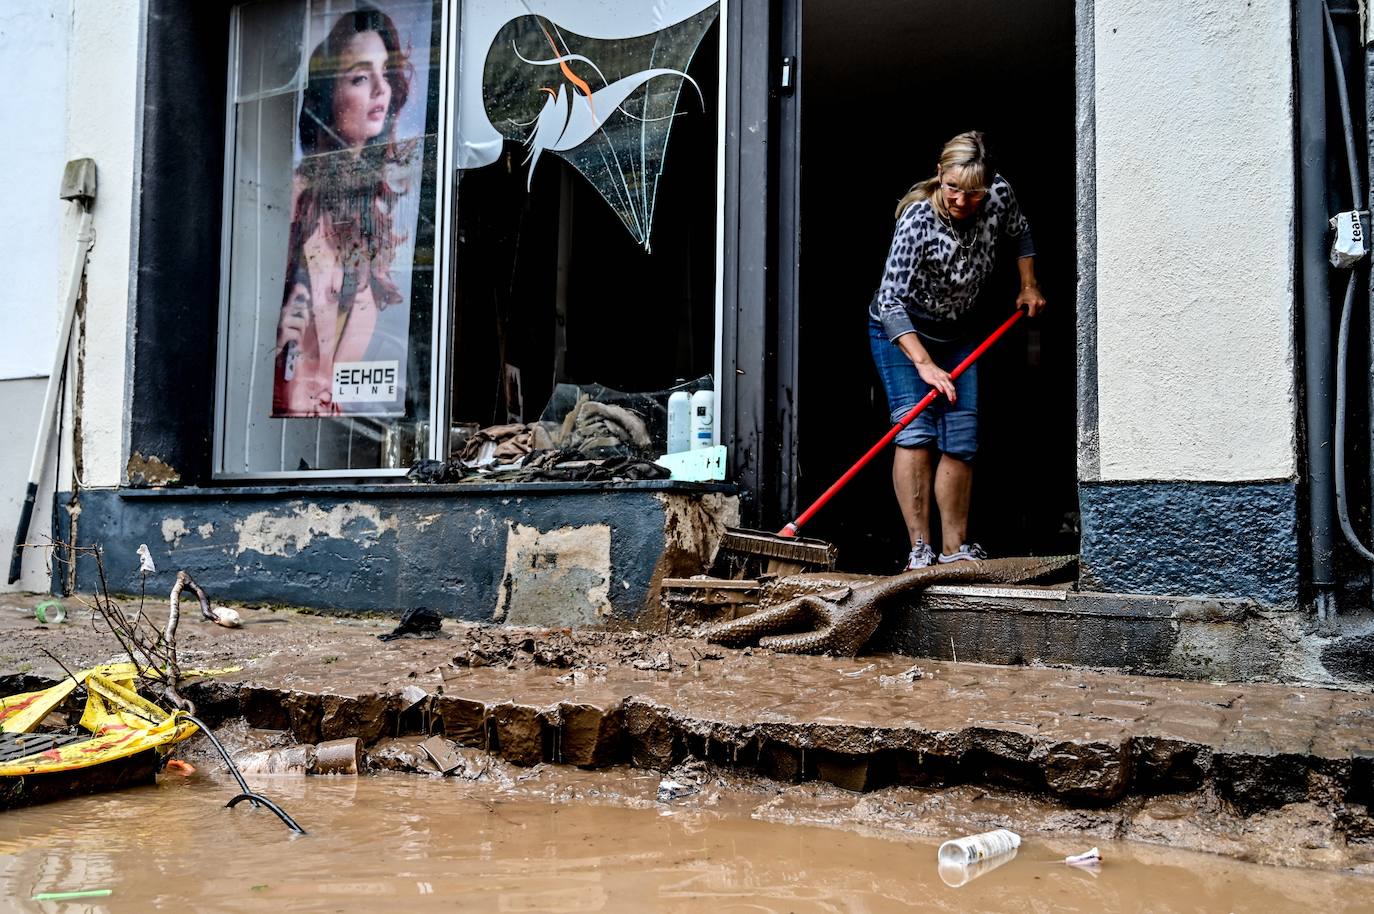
(1316, 295)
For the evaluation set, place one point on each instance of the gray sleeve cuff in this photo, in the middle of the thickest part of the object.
(896, 322)
(1025, 244)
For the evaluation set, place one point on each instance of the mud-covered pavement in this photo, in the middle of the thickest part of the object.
(1275, 774)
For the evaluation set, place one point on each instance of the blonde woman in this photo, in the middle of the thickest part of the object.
(945, 245)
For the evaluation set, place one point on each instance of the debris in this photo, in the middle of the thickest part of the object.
(963, 860)
(338, 756)
(682, 780)
(669, 790)
(145, 560)
(185, 769)
(984, 846)
(1087, 858)
(575, 678)
(223, 615)
(64, 896)
(661, 662)
(906, 677)
(855, 674)
(440, 751)
(416, 622)
(50, 612)
(411, 696)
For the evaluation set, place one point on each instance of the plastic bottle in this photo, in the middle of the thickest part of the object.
(679, 420)
(703, 418)
(50, 612)
(985, 846)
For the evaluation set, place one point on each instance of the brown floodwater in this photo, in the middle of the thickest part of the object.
(400, 843)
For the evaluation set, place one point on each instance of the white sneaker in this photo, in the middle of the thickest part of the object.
(922, 556)
(966, 553)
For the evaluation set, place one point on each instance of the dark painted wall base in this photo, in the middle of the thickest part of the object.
(1192, 538)
(577, 554)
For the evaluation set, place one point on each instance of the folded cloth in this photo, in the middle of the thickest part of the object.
(416, 622)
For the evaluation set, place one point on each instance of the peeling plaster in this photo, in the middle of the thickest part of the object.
(270, 533)
(425, 521)
(555, 578)
(173, 529)
(150, 471)
(206, 530)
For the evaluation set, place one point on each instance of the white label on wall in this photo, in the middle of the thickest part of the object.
(365, 382)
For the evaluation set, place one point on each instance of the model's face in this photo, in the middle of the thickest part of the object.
(362, 95)
(961, 194)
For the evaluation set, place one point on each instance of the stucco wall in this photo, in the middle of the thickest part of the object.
(1194, 274)
(103, 123)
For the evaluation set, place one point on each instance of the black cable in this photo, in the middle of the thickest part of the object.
(247, 794)
(1343, 337)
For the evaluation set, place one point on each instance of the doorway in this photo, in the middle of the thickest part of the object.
(884, 84)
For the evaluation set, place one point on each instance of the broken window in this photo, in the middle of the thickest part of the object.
(328, 293)
(586, 138)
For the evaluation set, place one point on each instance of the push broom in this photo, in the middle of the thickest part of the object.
(790, 551)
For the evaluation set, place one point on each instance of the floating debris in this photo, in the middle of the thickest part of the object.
(1087, 858)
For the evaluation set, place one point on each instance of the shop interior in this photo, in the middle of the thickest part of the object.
(552, 288)
(872, 125)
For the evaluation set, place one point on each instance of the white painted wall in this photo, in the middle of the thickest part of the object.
(33, 56)
(103, 123)
(1195, 262)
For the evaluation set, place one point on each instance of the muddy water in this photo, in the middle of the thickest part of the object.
(399, 843)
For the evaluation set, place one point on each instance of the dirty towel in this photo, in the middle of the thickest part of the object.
(418, 622)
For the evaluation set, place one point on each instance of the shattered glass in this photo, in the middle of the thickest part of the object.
(606, 106)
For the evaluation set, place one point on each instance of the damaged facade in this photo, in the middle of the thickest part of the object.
(1156, 420)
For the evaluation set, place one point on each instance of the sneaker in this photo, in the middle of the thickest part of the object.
(966, 553)
(922, 556)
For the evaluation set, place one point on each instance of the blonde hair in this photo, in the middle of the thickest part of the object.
(967, 152)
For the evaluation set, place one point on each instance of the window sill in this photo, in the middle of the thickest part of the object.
(426, 490)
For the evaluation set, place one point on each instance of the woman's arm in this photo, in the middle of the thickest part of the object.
(931, 373)
(1030, 297)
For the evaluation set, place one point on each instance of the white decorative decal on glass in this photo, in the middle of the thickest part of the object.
(599, 86)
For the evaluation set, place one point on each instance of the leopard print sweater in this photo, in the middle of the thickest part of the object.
(934, 270)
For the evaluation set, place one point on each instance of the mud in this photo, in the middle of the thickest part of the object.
(558, 839)
(1270, 773)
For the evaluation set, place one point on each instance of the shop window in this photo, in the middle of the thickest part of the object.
(397, 259)
(329, 287)
(587, 145)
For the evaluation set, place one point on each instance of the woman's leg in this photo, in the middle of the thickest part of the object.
(953, 489)
(912, 480)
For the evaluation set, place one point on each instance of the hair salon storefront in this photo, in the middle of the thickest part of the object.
(366, 232)
(360, 234)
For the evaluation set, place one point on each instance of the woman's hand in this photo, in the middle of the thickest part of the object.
(931, 373)
(937, 378)
(1031, 299)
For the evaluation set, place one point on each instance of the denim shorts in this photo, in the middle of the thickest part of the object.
(950, 427)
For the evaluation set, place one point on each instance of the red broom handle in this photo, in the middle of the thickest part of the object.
(795, 526)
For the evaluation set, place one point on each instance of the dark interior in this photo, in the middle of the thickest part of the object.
(873, 124)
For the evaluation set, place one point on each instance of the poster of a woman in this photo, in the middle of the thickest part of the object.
(343, 330)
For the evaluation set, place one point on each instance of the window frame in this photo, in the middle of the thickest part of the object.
(441, 357)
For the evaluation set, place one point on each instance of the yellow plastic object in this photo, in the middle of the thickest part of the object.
(121, 722)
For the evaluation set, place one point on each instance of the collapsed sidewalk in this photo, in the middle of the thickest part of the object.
(1214, 766)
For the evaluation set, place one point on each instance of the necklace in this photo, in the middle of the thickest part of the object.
(958, 237)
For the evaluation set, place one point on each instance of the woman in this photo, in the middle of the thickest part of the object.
(344, 194)
(920, 324)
